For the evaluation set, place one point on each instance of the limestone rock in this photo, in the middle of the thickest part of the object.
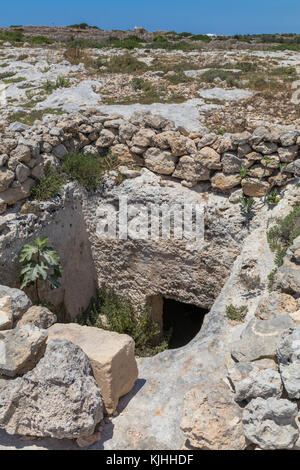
(190, 170)
(162, 162)
(6, 315)
(143, 138)
(231, 163)
(6, 178)
(225, 182)
(211, 419)
(178, 144)
(20, 303)
(260, 338)
(254, 187)
(270, 423)
(111, 356)
(59, 398)
(17, 193)
(288, 354)
(288, 154)
(295, 248)
(264, 384)
(276, 303)
(22, 153)
(21, 349)
(287, 278)
(106, 138)
(41, 317)
(209, 158)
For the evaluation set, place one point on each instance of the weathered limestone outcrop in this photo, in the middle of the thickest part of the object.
(111, 356)
(211, 419)
(59, 398)
(271, 423)
(288, 354)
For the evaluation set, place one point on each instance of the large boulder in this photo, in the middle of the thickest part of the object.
(59, 398)
(274, 304)
(260, 338)
(270, 424)
(21, 349)
(111, 356)
(211, 418)
(288, 354)
(38, 316)
(266, 383)
(20, 303)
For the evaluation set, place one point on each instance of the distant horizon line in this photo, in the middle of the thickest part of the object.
(148, 30)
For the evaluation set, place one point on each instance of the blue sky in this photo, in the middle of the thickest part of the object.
(196, 16)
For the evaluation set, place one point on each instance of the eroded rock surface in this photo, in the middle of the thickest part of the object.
(59, 398)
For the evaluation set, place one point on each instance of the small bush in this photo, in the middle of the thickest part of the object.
(125, 64)
(49, 186)
(210, 75)
(115, 313)
(236, 313)
(88, 169)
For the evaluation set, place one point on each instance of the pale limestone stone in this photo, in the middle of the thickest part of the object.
(6, 314)
(111, 356)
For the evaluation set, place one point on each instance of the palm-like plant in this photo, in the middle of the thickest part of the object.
(40, 262)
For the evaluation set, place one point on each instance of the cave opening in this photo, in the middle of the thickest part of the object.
(184, 321)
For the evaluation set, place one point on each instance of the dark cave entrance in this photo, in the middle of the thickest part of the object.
(185, 320)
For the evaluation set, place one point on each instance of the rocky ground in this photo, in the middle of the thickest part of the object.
(229, 90)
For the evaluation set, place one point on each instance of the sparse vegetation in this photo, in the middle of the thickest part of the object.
(281, 236)
(115, 313)
(49, 185)
(236, 313)
(88, 169)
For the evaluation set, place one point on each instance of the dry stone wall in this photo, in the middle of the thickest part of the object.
(267, 158)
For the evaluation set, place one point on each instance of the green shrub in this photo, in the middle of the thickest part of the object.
(115, 313)
(210, 75)
(87, 169)
(49, 185)
(285, 231)
(125, 64)
(236, 313)
(41, 40)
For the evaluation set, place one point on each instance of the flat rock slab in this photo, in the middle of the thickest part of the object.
(111, 356)
(227, 95)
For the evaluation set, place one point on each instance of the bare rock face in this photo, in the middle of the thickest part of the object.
(266, 383)
(111, 356)
(270, 424)
(212, 420)
(20, 303)
(274, 304)
(59, 398)
(21, 349)
(288, 354)
(38, 316)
